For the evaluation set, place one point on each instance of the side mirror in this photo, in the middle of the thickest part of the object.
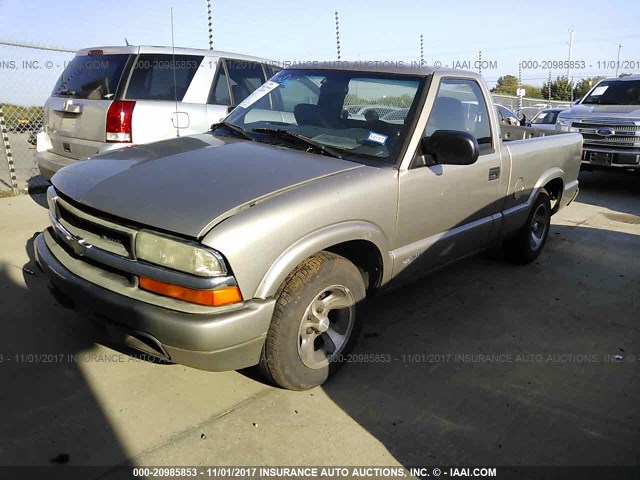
(451, 147)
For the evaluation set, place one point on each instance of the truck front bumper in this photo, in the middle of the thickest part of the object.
(223, 341)
(599, 157)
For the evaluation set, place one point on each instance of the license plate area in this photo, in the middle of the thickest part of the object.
(600, 158)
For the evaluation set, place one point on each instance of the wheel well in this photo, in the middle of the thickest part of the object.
(555, 188)
(364, 255)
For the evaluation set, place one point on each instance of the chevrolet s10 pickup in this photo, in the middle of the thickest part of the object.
(258, 242)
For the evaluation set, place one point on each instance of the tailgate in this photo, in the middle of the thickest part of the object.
(75, 114)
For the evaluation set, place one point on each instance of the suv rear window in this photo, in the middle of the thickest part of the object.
(153, 76)
(94, 77)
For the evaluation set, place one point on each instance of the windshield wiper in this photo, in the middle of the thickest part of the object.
(281, 132)
(234, 128)
(65, 91)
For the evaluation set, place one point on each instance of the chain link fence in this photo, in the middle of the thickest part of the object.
(27, 74)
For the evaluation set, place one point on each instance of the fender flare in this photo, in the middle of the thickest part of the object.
(545, 178)
(319, 240)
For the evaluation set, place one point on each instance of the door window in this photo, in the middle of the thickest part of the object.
(460, 105)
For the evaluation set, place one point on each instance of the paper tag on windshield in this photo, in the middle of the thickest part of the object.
(259, 93)
(599, 90)
(377, 138)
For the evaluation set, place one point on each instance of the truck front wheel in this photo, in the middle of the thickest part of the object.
(525, 246)
(316, 322)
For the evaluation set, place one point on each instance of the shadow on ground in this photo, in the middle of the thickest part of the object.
(617, 191)
(501, 365)
(54, 417)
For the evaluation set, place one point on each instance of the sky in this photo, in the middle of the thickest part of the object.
(293, 31)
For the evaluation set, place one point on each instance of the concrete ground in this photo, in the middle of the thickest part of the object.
(490, 364)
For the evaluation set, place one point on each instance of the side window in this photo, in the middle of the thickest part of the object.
(460, 105)
(219, 94)
(245, 77)
(153, 76)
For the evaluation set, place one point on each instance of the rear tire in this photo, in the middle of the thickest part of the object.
(316, 322)
(525, 246)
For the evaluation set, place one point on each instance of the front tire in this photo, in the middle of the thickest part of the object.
(527, 244)
(316, 322)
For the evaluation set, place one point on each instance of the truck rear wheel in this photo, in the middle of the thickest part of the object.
(525, 246)
(316, 322)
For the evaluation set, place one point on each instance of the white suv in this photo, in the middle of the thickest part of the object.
(111, 97)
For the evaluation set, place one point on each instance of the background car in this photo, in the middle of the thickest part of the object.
(359, 112)
(506, 116)
(546, 119)
(111, 97)
(397, 116)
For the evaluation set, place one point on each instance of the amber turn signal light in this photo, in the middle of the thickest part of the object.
(210, 298)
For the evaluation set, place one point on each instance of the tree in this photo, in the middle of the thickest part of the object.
(584, 85)
(507, 84)
(531, 91)
(558, 89)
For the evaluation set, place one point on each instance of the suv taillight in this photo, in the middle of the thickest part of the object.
(119, 118)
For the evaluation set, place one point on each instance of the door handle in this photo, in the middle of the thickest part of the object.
(494, 173)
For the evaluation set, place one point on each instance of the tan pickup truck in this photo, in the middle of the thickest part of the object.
(257, 243)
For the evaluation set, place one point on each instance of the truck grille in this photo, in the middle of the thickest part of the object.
(102, 233)
(609, 132)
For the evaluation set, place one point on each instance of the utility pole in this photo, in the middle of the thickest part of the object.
(549, 85)
(421, 50)
(618, 62)
(570, 45)
(337, 35)
(569, 63)
(210, 27)
(519, 91)
(480, 62)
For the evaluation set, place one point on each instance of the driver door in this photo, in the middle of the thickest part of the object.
(445, 211)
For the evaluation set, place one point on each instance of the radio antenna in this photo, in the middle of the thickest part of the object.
(175, 84)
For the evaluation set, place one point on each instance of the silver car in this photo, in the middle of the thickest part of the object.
(506, 116)
(111, 97)
(546, 119)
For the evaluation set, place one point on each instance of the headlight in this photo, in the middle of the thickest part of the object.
(563, 124)
(183, 256)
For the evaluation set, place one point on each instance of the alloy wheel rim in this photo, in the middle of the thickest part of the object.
(326, 326)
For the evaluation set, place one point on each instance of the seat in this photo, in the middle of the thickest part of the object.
(308, 114)
(447, 114)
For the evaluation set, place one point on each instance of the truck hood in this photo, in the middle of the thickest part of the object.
(187, 185)
(631, 112)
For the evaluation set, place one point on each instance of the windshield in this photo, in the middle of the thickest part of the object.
(546, 117)
(614, 92)
(94, 77)
(357, 114)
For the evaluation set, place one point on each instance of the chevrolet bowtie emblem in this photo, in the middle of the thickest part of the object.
(78, 245)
